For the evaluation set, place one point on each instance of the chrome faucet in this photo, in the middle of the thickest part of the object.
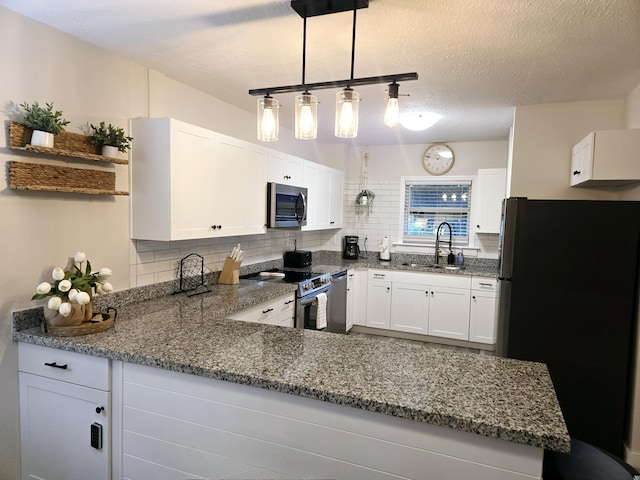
(438, 240)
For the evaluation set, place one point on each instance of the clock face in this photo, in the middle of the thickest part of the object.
(438, 159)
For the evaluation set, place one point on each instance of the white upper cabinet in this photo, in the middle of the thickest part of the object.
(189, 182)
(283, 168)
(490, 190)
(606, 158)
(325, 196)
(240, 190)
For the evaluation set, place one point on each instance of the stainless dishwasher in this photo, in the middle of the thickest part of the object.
(337, 303)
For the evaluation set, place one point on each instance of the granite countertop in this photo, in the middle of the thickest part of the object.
(495, 397)
(407, 262)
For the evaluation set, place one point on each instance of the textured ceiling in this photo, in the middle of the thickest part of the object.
(476, 59)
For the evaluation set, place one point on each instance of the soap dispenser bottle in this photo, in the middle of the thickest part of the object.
(460, 258)
(451, 258)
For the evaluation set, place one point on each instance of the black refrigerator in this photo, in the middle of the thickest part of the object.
(568, 290)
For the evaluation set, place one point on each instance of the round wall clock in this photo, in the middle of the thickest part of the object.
(438, 159)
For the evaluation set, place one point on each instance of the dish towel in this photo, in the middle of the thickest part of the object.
(321, 317)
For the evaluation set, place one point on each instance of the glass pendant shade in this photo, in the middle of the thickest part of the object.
(392, 113)
(268, 124)
(306, 116)
(347, 113)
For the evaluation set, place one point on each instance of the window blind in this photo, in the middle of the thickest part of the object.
(427, 205)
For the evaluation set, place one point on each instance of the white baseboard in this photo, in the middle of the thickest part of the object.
(632, 458)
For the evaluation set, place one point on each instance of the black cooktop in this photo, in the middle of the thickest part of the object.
(290, 276)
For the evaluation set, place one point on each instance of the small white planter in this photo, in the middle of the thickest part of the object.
(109, 151)
(42, 139)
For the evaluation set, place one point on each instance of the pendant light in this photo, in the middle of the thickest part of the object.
(346, 125)
(347, 100)
(268, 124)
(306, 116)
(392, 113)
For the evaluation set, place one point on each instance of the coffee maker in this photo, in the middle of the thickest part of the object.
(350, 248)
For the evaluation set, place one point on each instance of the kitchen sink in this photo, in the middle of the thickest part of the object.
(449, 267)
(432, 265)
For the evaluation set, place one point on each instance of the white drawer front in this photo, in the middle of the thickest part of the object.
(449, 281)
(380, 275)
(483, 283)
(415, 278)
(62, 365)
(263, 312)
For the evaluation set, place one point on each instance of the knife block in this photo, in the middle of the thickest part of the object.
(230, 274)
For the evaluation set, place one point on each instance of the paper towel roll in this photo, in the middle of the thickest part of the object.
(385, 252)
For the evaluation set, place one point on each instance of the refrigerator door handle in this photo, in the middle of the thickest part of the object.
(507, 235)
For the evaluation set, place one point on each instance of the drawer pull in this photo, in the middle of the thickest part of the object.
(287, 303)
(267, 310)
(486, 284)
(55, 365)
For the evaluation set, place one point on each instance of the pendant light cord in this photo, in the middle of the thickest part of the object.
(353, 43)
(304, 48)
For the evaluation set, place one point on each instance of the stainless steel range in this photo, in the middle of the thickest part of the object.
(310, 286)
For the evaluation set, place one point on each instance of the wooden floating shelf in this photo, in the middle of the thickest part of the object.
(50, 178)
(67, 144)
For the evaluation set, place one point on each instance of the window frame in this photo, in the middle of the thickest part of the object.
(445, 180)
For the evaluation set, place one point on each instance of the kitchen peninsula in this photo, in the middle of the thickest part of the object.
(238, 400)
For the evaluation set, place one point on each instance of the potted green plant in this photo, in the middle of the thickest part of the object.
(364, 201)
(110, 138)
(45, 123)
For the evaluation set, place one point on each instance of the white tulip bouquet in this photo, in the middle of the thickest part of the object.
(74, 286)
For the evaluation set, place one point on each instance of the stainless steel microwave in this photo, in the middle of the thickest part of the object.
(287, 206)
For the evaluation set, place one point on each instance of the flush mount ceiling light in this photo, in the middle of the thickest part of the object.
(416, 122)
(347, 100)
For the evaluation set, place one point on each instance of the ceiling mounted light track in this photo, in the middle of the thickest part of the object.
(346, 119)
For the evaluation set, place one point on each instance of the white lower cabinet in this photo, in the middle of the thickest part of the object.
(379, 299)
(482, 321)
(279, 311)
(449, 312)
(358, 277)
(65, 410)
(447, 306)
(410, 307)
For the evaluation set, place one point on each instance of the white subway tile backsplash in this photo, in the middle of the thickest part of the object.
(153, 262)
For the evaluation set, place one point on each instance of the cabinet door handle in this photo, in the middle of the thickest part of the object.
(99, 409)
(388, 289)
(577, 172)
(474, 297)
(477, 226)
(55, 365)
(267, 310)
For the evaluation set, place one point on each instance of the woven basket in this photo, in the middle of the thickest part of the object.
(99, 323)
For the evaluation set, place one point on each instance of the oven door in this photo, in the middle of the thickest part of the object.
(307, 310)
(287, 205)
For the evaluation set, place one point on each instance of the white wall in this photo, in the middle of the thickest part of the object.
(542, 140)
(386, 164)
(390, 162)
(39, 229)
